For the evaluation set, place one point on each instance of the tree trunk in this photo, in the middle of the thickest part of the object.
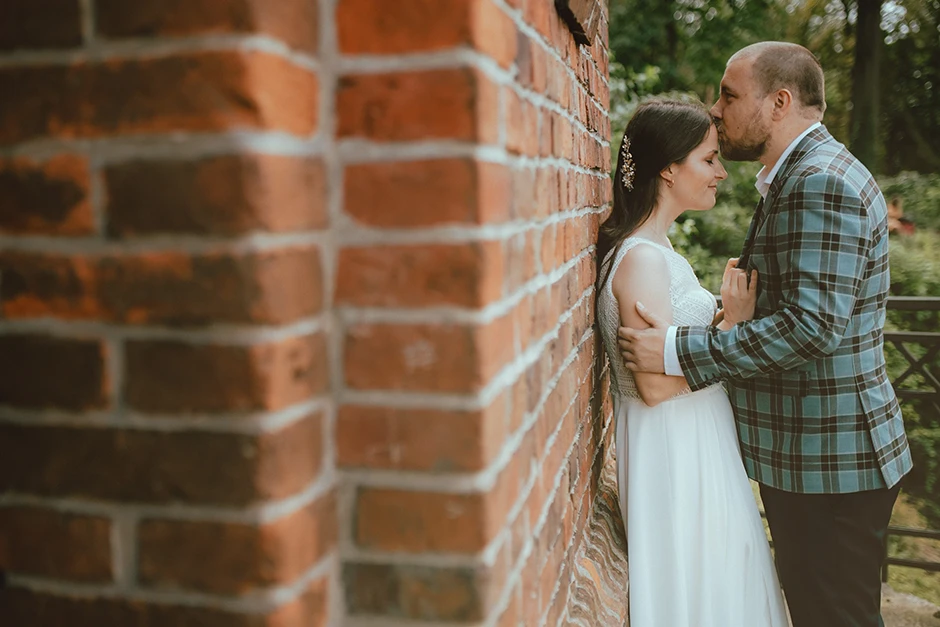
(864, 135)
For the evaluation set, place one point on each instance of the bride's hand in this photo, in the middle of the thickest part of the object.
(738, 294)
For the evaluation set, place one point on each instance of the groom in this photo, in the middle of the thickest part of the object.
(819, 425)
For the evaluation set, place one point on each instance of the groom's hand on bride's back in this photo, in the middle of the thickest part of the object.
(642, 349)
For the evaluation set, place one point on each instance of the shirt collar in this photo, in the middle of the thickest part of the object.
(765, 178)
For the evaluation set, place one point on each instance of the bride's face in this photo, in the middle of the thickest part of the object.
(695, 180)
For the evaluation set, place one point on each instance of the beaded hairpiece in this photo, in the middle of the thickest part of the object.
(627, 169)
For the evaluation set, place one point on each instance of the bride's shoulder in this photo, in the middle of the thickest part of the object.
(641, 262)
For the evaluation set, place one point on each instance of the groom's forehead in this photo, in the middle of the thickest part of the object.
(737, 76)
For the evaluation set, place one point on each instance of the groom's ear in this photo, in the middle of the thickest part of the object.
(783, 102)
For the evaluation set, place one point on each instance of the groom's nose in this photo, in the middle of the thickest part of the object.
(715, 111)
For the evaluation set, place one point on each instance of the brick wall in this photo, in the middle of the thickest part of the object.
(296, 302)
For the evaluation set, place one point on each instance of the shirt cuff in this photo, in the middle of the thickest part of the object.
(671, 355)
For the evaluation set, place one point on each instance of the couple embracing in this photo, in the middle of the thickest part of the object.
(786, 384)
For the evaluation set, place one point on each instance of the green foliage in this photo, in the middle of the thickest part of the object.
(684, 45)
(919, 195)
(911, 72)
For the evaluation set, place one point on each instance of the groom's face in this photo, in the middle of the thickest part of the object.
(741, 114)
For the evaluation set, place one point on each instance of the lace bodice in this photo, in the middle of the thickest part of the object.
(692, 305)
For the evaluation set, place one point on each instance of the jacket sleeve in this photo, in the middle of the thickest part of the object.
(822, 238)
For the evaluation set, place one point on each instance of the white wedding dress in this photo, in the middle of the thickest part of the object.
(698, 555)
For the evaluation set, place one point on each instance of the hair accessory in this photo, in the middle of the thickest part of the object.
(627, 169)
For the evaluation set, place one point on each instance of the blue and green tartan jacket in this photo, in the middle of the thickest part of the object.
(815, 410)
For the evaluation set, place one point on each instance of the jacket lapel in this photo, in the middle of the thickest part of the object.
(809, 143)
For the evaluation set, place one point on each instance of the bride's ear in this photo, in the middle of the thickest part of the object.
(668, 176)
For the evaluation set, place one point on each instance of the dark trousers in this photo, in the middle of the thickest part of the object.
(829, 549)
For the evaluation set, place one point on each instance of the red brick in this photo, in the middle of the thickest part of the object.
(235, 558)
(25, 24)
(546, 133)
(368, 27)
(427, 193)
(455, 594)
(465, 274)
(204, 92)
(37, 609)
(532, 119)
(53, 372)
(420, 439)
(538, 14)
(225, 195)
(515, 122)
(431, 104)
(273, 287)
(562, 138)
(161, 467)
(438, 358)
(60, 545)
(47, 198)
(494, 32)
(409, 521)
(292, 21)
(524, 194)
(589, 15)
(169, 376)
(540, 63)
(398, 520)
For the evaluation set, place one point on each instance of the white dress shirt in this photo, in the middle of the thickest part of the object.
(765, 179)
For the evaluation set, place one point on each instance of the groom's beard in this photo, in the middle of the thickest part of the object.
(751, 147)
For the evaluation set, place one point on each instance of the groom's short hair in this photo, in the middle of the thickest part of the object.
(781, 65)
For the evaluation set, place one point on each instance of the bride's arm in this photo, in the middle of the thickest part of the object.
(643, 276)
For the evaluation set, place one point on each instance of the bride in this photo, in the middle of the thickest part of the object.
(698, 555)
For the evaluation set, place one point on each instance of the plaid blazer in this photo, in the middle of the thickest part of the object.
(815, 410)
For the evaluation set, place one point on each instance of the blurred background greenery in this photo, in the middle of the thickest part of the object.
(882, 64)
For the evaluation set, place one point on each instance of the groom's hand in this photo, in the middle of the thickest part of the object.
(642, 349)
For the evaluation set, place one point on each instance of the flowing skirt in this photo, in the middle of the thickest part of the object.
(698, 553)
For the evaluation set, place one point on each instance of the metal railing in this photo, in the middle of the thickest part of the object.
(925, 394)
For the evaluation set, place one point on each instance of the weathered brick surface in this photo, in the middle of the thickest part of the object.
(44, 542)
(25, 24)
(164, 288)
(469, 275)
(133, 465)
(428, 193)
(230, 194)
(416, 439)
(50, 372)
(22, 607)
(45, 198)
(368, 27)
(168, 376)
(292, 21)
(460, 104)
(235, 558)
(264, 290)
(198, 92)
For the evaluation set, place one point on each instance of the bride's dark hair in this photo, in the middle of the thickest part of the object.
(661, 132)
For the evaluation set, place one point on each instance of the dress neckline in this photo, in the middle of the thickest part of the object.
(653, 242)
